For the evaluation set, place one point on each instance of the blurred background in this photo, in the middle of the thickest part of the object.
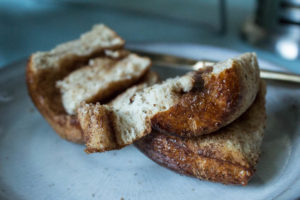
(270, 28)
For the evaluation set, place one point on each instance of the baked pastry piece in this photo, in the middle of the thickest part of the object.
(228, 156)
(197, 103)
(55, 78)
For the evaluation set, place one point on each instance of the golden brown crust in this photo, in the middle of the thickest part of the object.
(228, 156)
(94, 121)
(166, 152)
(214, 102)
(47, 99)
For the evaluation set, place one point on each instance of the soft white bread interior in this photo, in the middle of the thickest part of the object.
(100, 38)
(102, 78)
(95, 119)
(220, 95)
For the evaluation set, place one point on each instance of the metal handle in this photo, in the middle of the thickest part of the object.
(187, 63)
(282, 76)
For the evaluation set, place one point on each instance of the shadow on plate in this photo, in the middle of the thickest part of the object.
(281, 131)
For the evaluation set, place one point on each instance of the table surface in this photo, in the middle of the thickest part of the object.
(30, 25)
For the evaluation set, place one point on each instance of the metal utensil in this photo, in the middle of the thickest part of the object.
(193, 64)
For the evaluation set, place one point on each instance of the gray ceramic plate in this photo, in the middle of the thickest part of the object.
(36, 164)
